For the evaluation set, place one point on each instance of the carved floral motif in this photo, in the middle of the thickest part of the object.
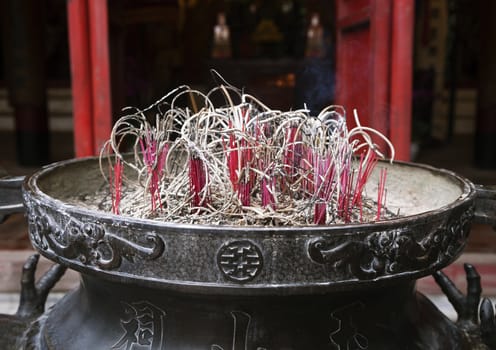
(88, 242)
(394, 251)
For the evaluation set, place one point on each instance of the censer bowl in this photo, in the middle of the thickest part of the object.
(147, 284)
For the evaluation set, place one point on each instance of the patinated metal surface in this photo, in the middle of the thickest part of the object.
(120, 316)
(154, 285)
(246, 260)
(107, 315)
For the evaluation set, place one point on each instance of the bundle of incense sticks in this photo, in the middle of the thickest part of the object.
(243, 163)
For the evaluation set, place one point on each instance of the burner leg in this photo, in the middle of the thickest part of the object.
(467, 308)
(33, 296)
(488, 323)
(32, 303)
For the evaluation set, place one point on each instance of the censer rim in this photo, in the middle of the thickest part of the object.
(468, 192)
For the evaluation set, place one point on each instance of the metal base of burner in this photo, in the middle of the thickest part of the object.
(103, 315)
(107, 315)
(150, 285)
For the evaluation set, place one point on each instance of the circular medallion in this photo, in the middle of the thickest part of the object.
(240, 261)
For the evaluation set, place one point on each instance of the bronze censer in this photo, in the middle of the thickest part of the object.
(153, 285)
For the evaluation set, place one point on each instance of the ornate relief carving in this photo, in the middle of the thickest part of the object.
(240, 261)
(88, 242)
(389, 252)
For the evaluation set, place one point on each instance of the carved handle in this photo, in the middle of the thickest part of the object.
(10, 196)
(485, 205)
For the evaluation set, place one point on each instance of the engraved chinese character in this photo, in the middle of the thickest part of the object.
(143, 327)
(346, 335)
(241, 325)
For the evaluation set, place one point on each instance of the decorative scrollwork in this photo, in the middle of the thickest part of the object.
(89, 243)
(395, 251)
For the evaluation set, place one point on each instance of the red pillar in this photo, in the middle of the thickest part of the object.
(88, 39)
(380, 31)
(100, 72)
(401, 77)
(82, 105)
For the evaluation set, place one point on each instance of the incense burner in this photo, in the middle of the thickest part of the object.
(147, 284)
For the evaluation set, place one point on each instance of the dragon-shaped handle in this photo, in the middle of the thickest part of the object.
(485, 205)
(10, 196)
